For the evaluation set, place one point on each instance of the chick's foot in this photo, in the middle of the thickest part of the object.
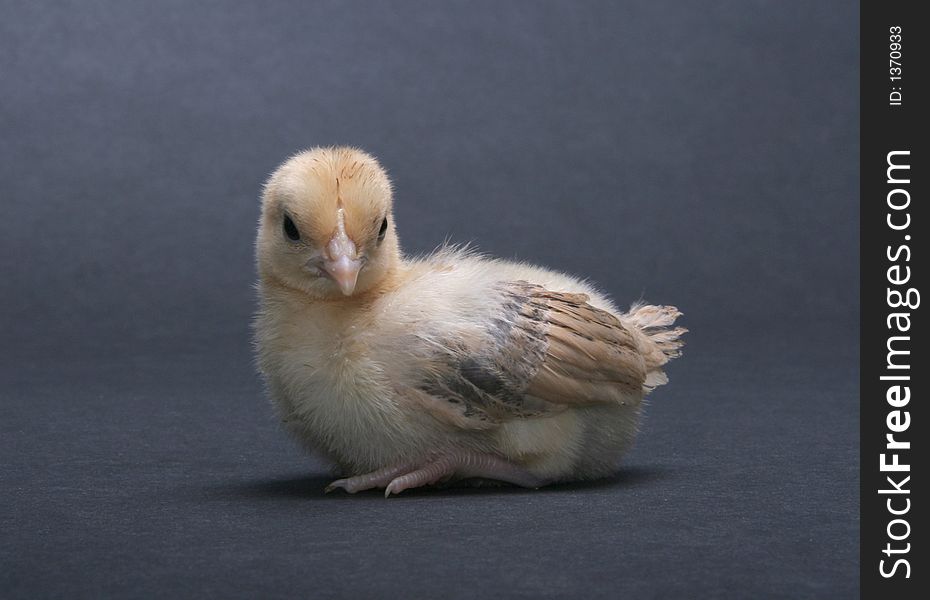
(375, 479)
(459, 465)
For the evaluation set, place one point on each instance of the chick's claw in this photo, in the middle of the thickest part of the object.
(339, 483)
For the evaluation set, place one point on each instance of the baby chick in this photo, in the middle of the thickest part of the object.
(407, 372)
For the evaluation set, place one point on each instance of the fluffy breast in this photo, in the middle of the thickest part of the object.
(330, 390)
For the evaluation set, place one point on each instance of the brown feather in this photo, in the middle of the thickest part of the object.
(546, 351)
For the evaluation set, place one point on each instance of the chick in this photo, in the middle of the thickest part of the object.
(407, 372)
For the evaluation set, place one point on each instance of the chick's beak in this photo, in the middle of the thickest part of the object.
(343, 263)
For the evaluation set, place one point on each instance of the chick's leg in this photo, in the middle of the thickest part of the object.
(464, 465)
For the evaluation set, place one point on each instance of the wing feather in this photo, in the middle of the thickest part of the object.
(544, 352)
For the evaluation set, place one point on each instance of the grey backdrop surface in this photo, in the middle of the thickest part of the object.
(703, 154)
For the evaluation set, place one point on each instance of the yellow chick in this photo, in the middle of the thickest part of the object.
(407, 372)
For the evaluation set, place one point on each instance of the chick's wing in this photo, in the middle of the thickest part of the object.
(542, 352)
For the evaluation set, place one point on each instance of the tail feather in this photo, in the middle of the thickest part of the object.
(659, 340)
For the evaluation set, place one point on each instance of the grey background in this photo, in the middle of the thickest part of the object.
(703, 154)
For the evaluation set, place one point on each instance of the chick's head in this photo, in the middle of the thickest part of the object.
(326, 227)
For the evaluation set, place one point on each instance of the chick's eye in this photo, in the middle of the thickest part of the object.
(290, 230)
(382, 231)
